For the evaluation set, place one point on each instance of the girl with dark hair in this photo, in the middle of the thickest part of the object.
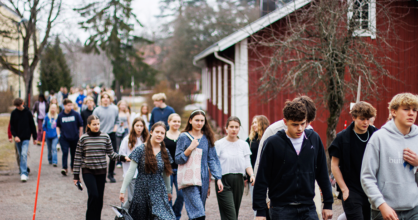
(203, 138)
(41, 107)
(137, 137)
(234, 155)
(153, 163)
(91, 157)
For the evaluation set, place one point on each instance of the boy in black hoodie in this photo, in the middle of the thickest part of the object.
(22, 127)
(347, 151)
(290, 163)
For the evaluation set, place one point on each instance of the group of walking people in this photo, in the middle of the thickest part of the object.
(375, 169)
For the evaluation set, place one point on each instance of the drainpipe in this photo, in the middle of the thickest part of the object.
(232, 77)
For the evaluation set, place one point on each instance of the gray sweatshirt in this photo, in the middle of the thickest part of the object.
(109, 117)
(385, 177)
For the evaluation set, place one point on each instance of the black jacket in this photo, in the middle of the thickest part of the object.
(84, 115)
(36, 108)
(289, 177)
(22, 124)
(342, 141)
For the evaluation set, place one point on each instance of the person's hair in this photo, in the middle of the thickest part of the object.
(41, 96)
(206, 129)
(403, 99)
(89, 120)
(295, 111)
(310, 107)
(18, 102)
(88, 98)
(262, 123)
(232, 118)
(170, 117)
(142, 106)
(75, 107)
(52, 92)
(132, 135)
(159, 97)
(52, 99)
(120, 102)
(151, 165)
(363, 109)
(67, 101)
(108, 95)
(49, 112)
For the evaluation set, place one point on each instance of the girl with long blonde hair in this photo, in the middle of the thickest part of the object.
(49, 125)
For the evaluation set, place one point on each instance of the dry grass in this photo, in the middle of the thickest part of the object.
(7, 150)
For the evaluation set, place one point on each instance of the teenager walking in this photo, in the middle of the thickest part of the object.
(203, 137)
(80, 98)
(152, 161)
(51, 137)
(291, 161)
(346, 152)
(88, 111)
(91, 152)
(69, 130)
(124, 124)
(145, 114)
(40, 108)
(234, 156)
(139, 135)
(161, 110)
(109, 118)
(258, 126)
(22, 127)
(388, 172)
(170, 140)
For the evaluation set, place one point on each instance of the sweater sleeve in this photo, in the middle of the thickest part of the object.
(78, 159)
(167, 182)
(9, 132)
(267, 134)
(12, 124)
(112, 154)
(214, 164)
(32, 126)
(322, 177)
(129, 176)
(181, 158)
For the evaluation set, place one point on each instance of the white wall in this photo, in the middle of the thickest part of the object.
(239, 99)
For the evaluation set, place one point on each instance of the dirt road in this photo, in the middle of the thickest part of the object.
(59, 199)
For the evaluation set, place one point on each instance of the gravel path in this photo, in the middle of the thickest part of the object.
(59, 199)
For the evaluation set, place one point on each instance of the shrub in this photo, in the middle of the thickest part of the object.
(6, 101)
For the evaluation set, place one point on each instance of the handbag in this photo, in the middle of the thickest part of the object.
(121, 213)
(189, 174)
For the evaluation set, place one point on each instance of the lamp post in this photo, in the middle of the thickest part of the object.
(18, 51)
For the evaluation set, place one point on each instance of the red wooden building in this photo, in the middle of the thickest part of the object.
(229, 79)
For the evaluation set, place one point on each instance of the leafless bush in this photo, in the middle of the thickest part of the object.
(6, 101)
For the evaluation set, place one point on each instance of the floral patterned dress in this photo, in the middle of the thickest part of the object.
(150, 200)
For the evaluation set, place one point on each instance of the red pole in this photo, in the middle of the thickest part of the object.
(345, 124)
(39, 174)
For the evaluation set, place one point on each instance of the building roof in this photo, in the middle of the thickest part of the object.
(9, 9)
(252, 28)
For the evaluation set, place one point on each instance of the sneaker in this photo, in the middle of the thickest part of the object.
(64, 172)
(119, 166)
(54, 165)
(112, 180)
(23, 178)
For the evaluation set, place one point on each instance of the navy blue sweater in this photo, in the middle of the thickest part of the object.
(289, 177)
(160, 114)
(69, 125)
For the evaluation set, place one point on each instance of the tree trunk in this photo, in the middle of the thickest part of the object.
(117, 90)
(28, 85)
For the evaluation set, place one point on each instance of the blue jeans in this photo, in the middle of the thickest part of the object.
(52, 150)
(65, 146)
(178, 204)
(294, 212)
(22, 148)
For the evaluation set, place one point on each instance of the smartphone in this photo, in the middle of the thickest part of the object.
(79, 186)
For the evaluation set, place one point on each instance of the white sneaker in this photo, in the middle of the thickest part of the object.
(119, 166)
(23, 178)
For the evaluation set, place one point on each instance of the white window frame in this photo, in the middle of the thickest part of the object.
(371, 31)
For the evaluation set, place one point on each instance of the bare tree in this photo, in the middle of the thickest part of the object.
(322, 48)
(33, 10)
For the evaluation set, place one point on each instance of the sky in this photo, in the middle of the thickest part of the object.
(145, 10)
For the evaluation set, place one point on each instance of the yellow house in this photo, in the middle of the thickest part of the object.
(9, 48)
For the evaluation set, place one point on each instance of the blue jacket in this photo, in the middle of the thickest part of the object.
(69, 125)
(80, 98)
(160, 114)
(50, 127)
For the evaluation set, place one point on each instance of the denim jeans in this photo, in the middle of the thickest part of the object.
(178, 204)
(22, 148)
(52, 150)
(294, 212)
(65, 146)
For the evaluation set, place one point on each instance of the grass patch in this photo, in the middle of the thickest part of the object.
(7, 149)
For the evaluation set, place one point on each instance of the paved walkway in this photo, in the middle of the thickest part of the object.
(59, 199)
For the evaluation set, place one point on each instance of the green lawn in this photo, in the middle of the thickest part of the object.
(7, 151)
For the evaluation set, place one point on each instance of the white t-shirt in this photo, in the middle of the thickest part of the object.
(297, 142)
(234, 156)
(124, 150)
